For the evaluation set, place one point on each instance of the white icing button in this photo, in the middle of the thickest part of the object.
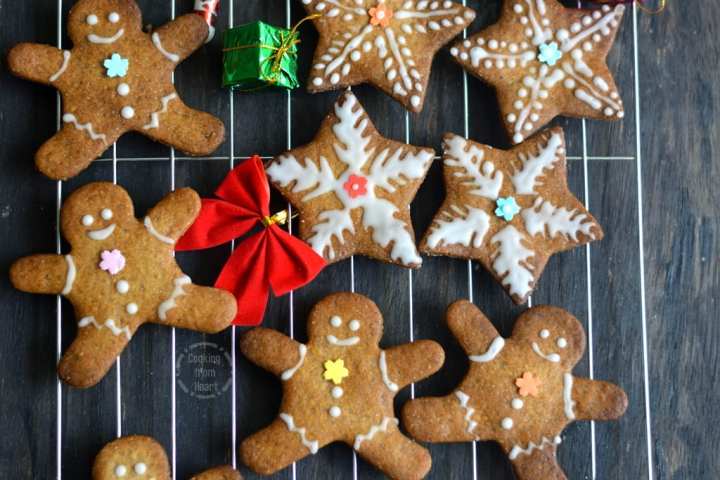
(336, 321)
(335, 411)
(507, 423)
(114, 17)
(127, 112)
(140, 468)
(87, 220)
(106, 214)
(120, 471)
(517, 404)
(123, 89)
(337, 392)
(122, 287)
(131, 308)
(92, 19)
(544, 333)
(561, 342)
(354, 325)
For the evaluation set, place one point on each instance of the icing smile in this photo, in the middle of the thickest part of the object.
(103, 233)
(346, 342)
(551, 357)
(106, 40)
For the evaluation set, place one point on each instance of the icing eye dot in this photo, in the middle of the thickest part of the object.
(92, 19)
(114, 17)
(561, 342)
(88, 220)
(337, 392)
(517, 404)
(120, 471)
(106, 214)
(354, 325)
(544, 333)
(140, 468)
(336, 321)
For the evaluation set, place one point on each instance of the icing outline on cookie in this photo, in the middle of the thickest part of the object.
(71, 274)
(495, 348)
(382, 363)
(177, 292)
(288, 374)
(311, 445)
(151, 229)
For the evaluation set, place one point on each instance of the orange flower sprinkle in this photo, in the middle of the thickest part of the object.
(528, 385)
(380, 15)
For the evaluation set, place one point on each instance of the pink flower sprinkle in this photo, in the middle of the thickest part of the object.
(112, 261)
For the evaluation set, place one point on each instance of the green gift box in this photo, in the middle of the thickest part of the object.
(257, 55)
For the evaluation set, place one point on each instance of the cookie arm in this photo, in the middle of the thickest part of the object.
(598, 400)
(272, 350)
(42, 274)
(37, 63)
(170, 218)
(177, 39)
(472, 329)
(411, 362)
(202, 309)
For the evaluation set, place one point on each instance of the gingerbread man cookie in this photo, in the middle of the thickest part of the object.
(510, 210)
(519, 392)
(353, 188)
(121, 273)
(116, 79)
(339, 387)
(546, 60)
(138, 457)
(388, 43)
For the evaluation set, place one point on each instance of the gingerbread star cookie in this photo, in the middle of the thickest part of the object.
(119, 274)
(138, 457)
(510, 210)
(116, 79)
(518, 392)
(353, 188)
(546, 60)
(339, 387)
(388, 43)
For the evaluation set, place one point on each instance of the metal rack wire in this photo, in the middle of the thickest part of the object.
(232, 158)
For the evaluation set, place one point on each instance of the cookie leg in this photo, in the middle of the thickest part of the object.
(538, 464)
(191, 131)
(71, 150)
(395, 455)
(203, 309)
(442, 419)
(93, 352)
(276, 447)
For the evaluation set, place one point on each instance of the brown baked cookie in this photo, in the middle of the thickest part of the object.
(121, 273)
(116, 79)
(388, 43)
(353, 188)
(546, 60)
(510, 210)
(142, 458)
(339, 387)
(518, 392)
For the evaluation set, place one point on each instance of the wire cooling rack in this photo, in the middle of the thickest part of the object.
(231, 160)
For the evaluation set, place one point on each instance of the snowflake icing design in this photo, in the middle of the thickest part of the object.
(116, 66)
(514, 250)
(582, 37)
(383, 41)
(354, 174)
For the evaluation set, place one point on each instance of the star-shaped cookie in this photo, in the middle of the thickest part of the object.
(388, 43)
(119, 274)
(546, 60)
(116, 79)
(518, 392)
(510, 210)
(355, 407)
(353, 188)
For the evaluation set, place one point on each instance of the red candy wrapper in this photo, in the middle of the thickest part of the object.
(208, 9)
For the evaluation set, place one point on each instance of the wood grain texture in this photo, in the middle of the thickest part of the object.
(678, 72)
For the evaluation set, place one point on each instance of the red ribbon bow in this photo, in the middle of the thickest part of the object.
(270, 258)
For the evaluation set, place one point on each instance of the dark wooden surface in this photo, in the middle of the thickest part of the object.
(678, 80)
